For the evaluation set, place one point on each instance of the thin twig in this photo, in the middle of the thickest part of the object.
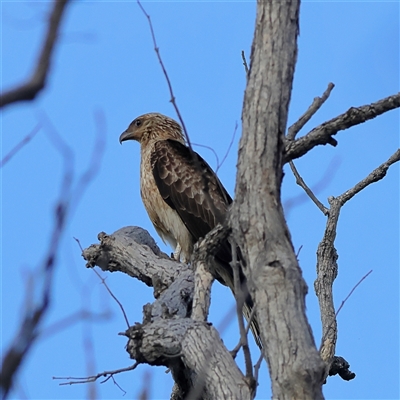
(298, 251)
(239, 295)
(20, 145)
(351, 292)
(79, 243)
(257, 367)
(239, 345)
(93, 378)
(245, 63)
(117, 385)
(229, 148)
(323, 182)
(314, 107)
(172, 100)
(301, 183)
(37, 81)
(212, 150)
(219, 164)
(103, 281)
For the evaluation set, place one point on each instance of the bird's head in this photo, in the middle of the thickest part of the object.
(152, 127)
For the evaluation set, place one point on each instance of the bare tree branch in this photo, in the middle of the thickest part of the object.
(103, 281)
(172, 100)
(31, 320)
(322, 182)
(327, 268)
(323, 133)
(314, 107)
(301, 183)
(228, 150)
(374, 176)
(246, 68)
(257, 367)
(239, 295)
(133, 251)
(30, 89)
(29, 329)
(352, 291)
(167, 335)
(73, 380)
(236, 349)
(20, 145)
(211, 371)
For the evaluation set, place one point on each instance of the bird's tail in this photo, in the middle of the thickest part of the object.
(225, 276)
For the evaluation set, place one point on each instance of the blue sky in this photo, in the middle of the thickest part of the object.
(105, 61)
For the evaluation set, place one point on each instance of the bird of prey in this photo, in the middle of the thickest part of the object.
(182, 195)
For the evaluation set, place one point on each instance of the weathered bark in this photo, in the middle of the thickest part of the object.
(327, 270)
(201, 365)
(257, 219)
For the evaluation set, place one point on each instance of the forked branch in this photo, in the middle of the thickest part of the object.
(327, 268)
(323, 133)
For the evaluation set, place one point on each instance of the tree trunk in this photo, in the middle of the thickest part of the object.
(257, 219)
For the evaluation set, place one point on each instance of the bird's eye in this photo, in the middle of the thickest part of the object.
(138, 122)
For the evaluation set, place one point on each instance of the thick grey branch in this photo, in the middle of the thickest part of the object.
(30, 89)
(323, 133)
(206, 363)
(133, 251)
(193, 350)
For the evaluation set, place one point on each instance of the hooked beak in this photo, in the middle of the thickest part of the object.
(125, 136)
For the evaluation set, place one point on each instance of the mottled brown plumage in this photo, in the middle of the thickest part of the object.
(181, 193)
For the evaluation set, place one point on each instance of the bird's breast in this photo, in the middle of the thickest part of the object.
(165, 219)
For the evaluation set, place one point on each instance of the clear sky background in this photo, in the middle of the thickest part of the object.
(105, 61)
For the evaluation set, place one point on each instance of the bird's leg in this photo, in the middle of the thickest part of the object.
(177, 252)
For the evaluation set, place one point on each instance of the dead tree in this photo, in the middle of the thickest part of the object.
(175, 332)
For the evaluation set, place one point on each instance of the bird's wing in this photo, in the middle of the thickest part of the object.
(189, 186)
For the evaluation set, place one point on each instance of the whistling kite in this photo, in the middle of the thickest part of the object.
(182, 195)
